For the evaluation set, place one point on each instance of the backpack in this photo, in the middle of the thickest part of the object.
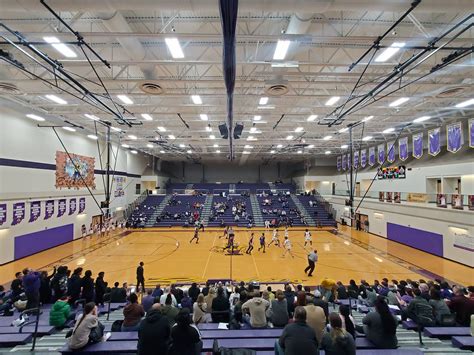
(117, 326)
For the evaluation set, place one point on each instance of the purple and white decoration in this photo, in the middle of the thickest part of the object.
(434, 144)
(418, 145)
(18, 213)
(338, 163)
(48, 209)
(371, 156)
(61, 207)
(454, 137)
(82, 204)
(471, 133)
(381, 153)
(356, 159)
(363, 158)
(391, 152)
(348, 161)
(3, 213)
(35, 210)
(72, 206)
(403, 148)
(343, 162)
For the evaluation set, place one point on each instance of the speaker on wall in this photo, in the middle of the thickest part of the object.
(238, 130)
(224, 131)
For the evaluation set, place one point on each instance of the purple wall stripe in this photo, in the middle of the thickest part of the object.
(32, 243)
(45, 166)
(417, 238)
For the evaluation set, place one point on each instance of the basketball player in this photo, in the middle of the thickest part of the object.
(140, 277)
(250, 247)
(286, 235)
(230, 241)
(275, 239)
(307, 238)
(287, 247)
(262, 242)
(226, 233)
(196, 235)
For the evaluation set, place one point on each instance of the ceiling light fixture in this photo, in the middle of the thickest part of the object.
(56, 99)
(327, 152)
(280, 146)
(161, 129)
(218, 151)
(162, 151)
(174, 48)
(332, 100)
(399, 102)
(70, 129)
(204, 117)
(131, 136)
(368, 118)
(300, 152)
(133, 152)
(388, 130)
(116, 129)
(182, 145)
(212, 136)
(189, 151)
(147, 117)
(150, 145)
(281, 49)
(92, 136)
(91, 117)
(421, 119)
(342, 130)
(312, 118)
(196, 99)
(60, 47)
(326, 138)
(245, 152)
(257, 118)
(367, 138)
(465, 103)
(125, 99)
(35, 117)
(216, 145)
(171, 136)
(344, 146)
(248, 146)
(288, 138)
(263, 101)
(125, 146)
(389, 52)
(299, 129)
(272, 152)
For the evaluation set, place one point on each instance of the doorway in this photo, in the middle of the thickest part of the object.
(357, 189)
(439, 188)
(333, 188)
(362, 222)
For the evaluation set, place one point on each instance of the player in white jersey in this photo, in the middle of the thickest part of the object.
(286, 232)
(287, 247)
(307, 238)
(275, 239)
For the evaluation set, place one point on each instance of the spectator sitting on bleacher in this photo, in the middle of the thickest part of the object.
(200, 314)
(337, 341)
(462, 305)
(164, 296)
(318, 301)
(440, 308)
(133, 313)
(220, 304)
(169, 310)
(87, 330)
(348, 322)
(209, 298)
(419, 309)
(194, 292)
(153, 333)
(157, 292)
(148, 300)
(186, 301)
(185, 338)
(256, 308)
(60, 313)
(316, 319)
(118, 294)
(341, 291)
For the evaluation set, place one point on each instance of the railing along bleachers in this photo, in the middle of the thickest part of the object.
(317, 210)
(180, 210)
(268, 211)
(145, 210)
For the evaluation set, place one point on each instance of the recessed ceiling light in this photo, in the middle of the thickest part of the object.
(327, 152)
(312, 118)
(299, 151)
(125, 146)
(281, 49)
(344, 146)
(421, 119)
(268, 107)
(70, 129)
(125, 99)
(92, 136)
(216, 145)
(171, 136)
(147, 117)
(272, 152)
(218, 151)
(161, 129)
(257, 118)
(189, 151)
(174, 48)
(91, 117)
(60, 47)
(465, 103)
(288, 138)
(287, 64)
(389, 52)
(116, 129)
(212, 136)
(203, 117)
(182, 145)
(35, 117)
(311, 146)
(332, 100)
(280, 146)
(399, 101)
(245, 152)
(263, 101)
(248, 146)
(251, 138)
(196, 99)
(388, 130)
(162, 151)
(368, 118)
(131, 136)
(56, 99)
(253, 129)
(367, 138)
(299, 129)
(150, 145)
(209, 129)
(342, 130)
(133, 152)
(326, 138)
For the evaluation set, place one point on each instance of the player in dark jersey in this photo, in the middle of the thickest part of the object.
(250, 247)
(196, 235)
(262, 242)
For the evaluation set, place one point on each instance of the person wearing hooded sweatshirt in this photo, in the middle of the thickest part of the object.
(337, 341)
(154, 333)
(31, 285)
(257, 308)
(74, 285)
(185, 337)
(60, 313)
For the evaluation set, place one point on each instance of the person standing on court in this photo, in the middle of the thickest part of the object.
(250, 247)
(262, 242)
(195, 236)
(141, 277)
(312, 259)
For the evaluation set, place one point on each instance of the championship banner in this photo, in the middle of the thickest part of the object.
(471, 133)
(35, 210)
(403, 148)
(61, 207)
(356, 159)
(48, 209)
(381, 153)
(82, 205)
(3, 213)
(434, 144)
(371, 156)
(391, 152)
(454, 137)
(344, 162)
(18, 212)
(75, 172)
(348, 161)
(418, 145)
(72, 206)
(338, 163)
(363, 158)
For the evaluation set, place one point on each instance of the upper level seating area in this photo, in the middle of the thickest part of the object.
(145, 210)
(181, 210)
(226, 208)
(317, 210)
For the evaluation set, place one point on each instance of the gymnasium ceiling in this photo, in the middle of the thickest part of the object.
(326, 38)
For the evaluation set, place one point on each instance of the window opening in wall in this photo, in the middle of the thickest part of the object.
(138, 188)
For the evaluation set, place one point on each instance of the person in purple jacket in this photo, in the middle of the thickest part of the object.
(31, 285)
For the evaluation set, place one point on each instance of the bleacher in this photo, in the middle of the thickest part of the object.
(228, 216)
(145, 210)
(290, 209)
(184, 203)
(317, 211)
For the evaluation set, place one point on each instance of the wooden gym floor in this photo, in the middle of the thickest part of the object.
(169, 257)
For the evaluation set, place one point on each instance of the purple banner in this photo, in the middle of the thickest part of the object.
(418, 145)
(381, 153)
(471, 133)
(403, 148)
(371, 156)
(72, 206)
(391, 152)
(18, 213)
(454, 137)
(434, 144)
(82, 204)
(3, 213)
(35, 210)
(348, 161)
(363, 158)
(61, 207)
(343, 162)
(48, 209)
(356, 159)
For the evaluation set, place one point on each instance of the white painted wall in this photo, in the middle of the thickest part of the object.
(21, 139)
